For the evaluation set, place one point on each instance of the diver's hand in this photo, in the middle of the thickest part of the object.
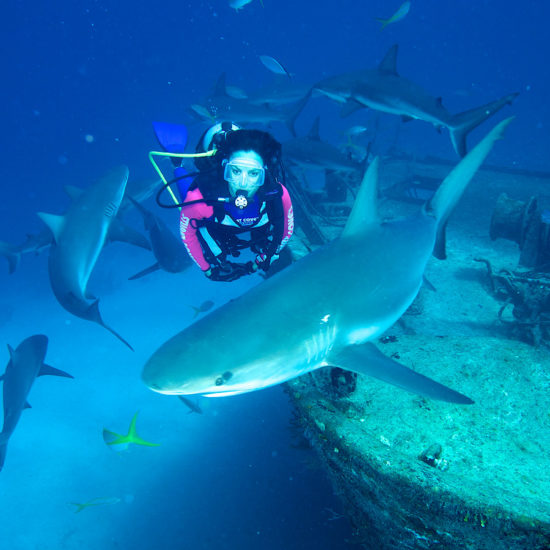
(263, 261)
(228, 271)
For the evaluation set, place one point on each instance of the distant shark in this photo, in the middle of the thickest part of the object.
(221, 106)
(25, 365)
(310, 152)
(169, 251)
(382, 89)
(79, 236)
(325, 309)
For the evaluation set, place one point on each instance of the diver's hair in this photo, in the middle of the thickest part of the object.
(261, 142)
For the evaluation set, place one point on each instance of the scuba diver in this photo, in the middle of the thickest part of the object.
(236, 201)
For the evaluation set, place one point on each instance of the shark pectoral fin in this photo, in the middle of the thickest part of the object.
(367, 359)
(47, 369)
(146, 271)
(55, 223)
(350, 106)
(95, 315)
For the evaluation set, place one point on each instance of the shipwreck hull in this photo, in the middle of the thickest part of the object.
(416, 473)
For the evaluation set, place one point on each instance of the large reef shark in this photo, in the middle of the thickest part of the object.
(78, 238)
(25, 365)
(169, 251)
(326, 308)
(382, 89)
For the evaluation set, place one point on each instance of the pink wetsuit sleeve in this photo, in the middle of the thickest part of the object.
(288, 228)
(188, 232)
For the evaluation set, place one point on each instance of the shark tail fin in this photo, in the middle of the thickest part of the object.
(365, 210)
(449, 192)
(463, 123)
(95, 315)
(10, 253)
(295, 111)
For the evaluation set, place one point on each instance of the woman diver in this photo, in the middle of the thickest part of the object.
(236, 201)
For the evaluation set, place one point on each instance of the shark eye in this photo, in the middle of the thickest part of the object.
(221, 380)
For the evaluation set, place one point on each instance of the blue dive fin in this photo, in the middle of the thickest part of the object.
(172, 137)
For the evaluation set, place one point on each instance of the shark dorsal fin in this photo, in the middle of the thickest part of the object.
(388, 65)
(73, 191)
(220, 89)
(54, 222)
(314, 132)
(11, 351)
(364, 211)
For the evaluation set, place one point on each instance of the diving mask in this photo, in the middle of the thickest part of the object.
(244, 173)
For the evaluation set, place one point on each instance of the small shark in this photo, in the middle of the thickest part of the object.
(382, 89)
(192, 405)
(169, 251)
(221, 106)
(25, 365)
(281, 91)
(78, 238)
(326, 308)
(119, 442)
(310, 152)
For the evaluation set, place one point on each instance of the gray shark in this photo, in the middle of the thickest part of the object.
(25, 365)
(221, 106)
(169, 251)
(326, 308)
(382, 89)
(78, 237)
(281, 91)
(311, 152)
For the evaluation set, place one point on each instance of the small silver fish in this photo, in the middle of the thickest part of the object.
(355, 130)
(273, 65)
(99, 501)
(238, 4)
(397, 16)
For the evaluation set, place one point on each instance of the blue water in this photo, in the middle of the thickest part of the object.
(82, 82)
